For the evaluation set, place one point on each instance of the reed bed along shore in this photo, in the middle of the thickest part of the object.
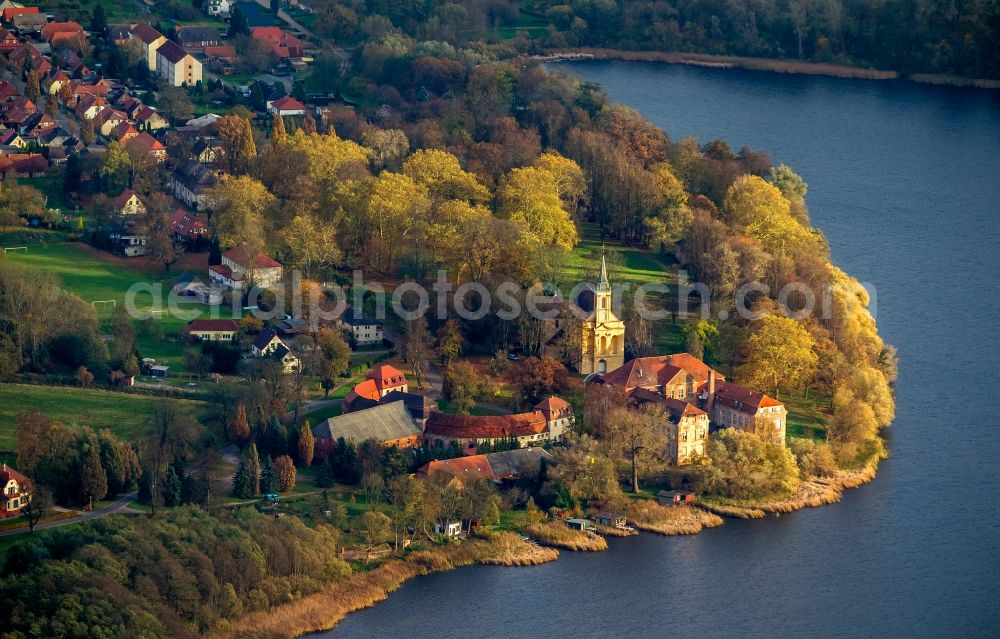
(650, 516)
(611, 531)
(558, 534)
(723, 62)
(323, 610)
(811, 494)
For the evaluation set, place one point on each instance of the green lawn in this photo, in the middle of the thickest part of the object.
(125, 414)
(807, 416)
(626, 264)
(51, 186)
(445, 407)
(81, 273)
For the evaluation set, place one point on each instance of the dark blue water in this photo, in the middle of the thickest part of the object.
(904, 181)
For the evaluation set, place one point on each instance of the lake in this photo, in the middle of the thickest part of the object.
(904, 181)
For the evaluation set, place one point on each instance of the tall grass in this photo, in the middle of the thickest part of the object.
(324, 609)
(651, 516)
(556, 533)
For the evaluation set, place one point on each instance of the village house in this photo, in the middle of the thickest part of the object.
(286, 106)
(470, 431)
(213, 330)
(107, 119)
(23, 165)
(129, 203)
(177, 67)
(379, 382)
(237, 269)
(281, 44)
(29, 23)
(364, 331)
(506, 464)
(54, 82)
(389, 424)
(146, 145)
(8, 41)
(15, 491)
(9, 13)
(188, 286)
(268, 344)
(69, 34)
(208, 150)
(188, 228)
(732, 406)
(190, 183)
(217, 8)
(124, 132)
(149, 119)
(127, 242)
(10, 137)
(151, 40)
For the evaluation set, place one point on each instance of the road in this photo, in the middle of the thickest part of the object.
(117, 507)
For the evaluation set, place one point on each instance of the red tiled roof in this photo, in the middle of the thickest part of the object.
(656, 371)
(187, 224)
(125, 196)
(473, 466)
(552, 404)
(10, 12)
(287, 103)
(238, 254)
(366, 389)
(146, 33)
(147, 143)
(226, 272)
(740, 398)
(213, 325)
(69, 28)
(485, 426)
(386, 376)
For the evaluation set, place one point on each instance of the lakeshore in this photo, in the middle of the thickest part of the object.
(323, 610)
(795, 67)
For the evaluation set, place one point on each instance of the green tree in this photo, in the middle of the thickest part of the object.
(238, 24)
(334, 356)
(171, 487)
(374, 529)
(746, 466)
(268, 477)
(93, 478)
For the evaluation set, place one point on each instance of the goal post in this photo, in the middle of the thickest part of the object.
(15, 249)
(104, 305)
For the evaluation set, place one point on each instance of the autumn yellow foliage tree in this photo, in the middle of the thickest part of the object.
(529, 197)
(443, 176)
(780, 355)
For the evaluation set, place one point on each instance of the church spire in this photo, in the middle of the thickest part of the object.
(603, 284)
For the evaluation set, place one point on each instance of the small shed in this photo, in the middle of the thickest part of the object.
(675, 497)
(578, 523)
(159, 370)
(449, 529)
(611, 520)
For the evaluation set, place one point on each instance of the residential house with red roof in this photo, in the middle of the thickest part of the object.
(149, 119)
(23, 165)
(15, 491)
(213, 330)
(237, 269)
(8, 41)
(282, 45)
(54, 82)
(188, 227)
(9, 13)
(129, 203)
(37, 124)
(107, 119)
(124, 132)
(506, 464)
(285, 106)
(68, 34)
(10, 137)
(148, 146)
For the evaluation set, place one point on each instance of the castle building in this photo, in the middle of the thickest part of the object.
(602, 342)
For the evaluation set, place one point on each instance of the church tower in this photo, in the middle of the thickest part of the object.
(603, 334)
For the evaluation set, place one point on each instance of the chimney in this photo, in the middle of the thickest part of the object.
(710, 388)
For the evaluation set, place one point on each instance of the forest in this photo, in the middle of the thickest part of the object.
(909, 36)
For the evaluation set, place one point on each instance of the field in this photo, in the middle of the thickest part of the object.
(125, 414)
(626, 264)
